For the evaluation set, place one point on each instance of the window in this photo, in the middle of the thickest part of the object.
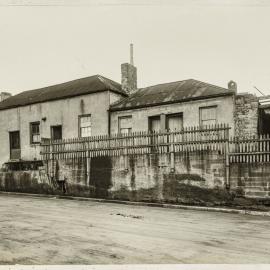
(125, 124)
(85, 125)
(208, 115)
(56, 132)
(154, 123)
(174, 122)
(34, 133)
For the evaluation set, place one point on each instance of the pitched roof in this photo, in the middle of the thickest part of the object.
(167, 93)
(69, 89)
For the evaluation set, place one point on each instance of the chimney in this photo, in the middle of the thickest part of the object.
(232, 86)
(129, 74)
(4, 95)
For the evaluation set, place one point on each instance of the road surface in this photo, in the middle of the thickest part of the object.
(53, 231)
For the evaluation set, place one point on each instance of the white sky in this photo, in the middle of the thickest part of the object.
(45, 42)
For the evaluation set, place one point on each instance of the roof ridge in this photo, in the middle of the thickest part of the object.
(57, 84)
(81, 86)
(206, 83)
(164, 83)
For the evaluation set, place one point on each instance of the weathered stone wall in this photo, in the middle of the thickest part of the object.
(26, 181)
(186, 178)
(246, 115)
(250, 179)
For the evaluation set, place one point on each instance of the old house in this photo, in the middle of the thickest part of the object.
(173, 106)
(176, 105)
(92, 114)
(77, 108)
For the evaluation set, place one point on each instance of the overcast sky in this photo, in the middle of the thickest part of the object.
(45, 42)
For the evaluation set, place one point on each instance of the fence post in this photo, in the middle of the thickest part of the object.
(51, 157)
(227, 160)
(172, 163)
(88, 167)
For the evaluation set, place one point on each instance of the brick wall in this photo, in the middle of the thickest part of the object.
(246, 115)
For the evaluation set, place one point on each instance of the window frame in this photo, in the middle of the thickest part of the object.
(79, 124)
(200, 114)
(119, 126)
(31, 132)
(179, 114)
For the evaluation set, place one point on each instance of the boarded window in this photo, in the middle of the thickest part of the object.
(174, 122)
(85, 125)
(34, 132)
(154, 123)
(208, 115)
(125, 124)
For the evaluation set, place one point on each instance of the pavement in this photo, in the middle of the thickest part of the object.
(164, 205)
(40, 230)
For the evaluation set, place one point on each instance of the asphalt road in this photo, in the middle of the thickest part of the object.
(53, 231)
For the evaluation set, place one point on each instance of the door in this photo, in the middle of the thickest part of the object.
(56, 132)
(154, 123)
(154, 127)
(15, 145)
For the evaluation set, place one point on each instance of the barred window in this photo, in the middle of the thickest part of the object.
(34, 133)
(85, 125)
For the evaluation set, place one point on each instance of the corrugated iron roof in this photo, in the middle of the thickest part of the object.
(166, 93)
(69, 89)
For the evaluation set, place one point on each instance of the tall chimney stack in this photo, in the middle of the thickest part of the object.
(129, 74)
(131, 55)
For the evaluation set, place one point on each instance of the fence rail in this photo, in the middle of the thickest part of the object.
(185, 140)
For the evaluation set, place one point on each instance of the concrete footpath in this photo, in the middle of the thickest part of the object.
(163, 205)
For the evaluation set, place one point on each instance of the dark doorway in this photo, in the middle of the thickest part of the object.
(56, 132)
(15, 145)
(100, 176)
(264, 121)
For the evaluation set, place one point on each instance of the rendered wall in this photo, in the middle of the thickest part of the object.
(190, 110)
(63, 112)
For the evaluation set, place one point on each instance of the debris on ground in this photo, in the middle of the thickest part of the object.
(130, 216)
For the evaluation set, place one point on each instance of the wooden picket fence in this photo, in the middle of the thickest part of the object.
(186, 140)
(249, 150)
(190, 139)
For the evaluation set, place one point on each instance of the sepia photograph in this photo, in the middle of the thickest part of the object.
(134, 134)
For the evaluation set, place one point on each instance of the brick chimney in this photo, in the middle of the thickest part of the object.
(232, 86)
(129, 74)
(4, 95)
